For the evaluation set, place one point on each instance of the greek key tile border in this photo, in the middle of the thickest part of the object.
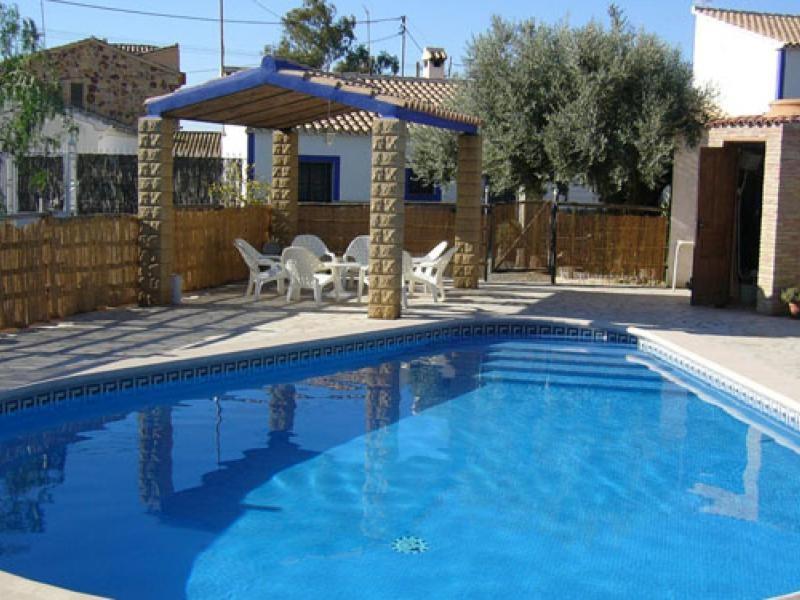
(48, 394)
(748, 396)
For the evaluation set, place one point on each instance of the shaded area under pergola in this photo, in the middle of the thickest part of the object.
(282, 95)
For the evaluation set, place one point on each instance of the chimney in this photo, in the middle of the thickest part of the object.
(433, 63)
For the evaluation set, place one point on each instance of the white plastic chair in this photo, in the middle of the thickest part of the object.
(306, 271)
(314, 244)
(358, 253)
(262, 269)
(430, 274)
(431, 256)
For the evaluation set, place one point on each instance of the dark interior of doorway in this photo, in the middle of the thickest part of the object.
(749, 200)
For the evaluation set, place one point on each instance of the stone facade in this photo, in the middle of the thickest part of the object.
(467, 261)
(387, 218)
(156, 212)
(285, 185)
(115, 82)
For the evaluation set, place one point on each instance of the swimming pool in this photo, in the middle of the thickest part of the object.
(496, 468)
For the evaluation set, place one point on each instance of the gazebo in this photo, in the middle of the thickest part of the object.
(281, 95)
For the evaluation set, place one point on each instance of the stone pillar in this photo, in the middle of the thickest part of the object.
(467, 261)
(387, 218)
(285, 185)
(156, 212)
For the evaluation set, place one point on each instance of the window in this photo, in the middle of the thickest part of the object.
(416, 189)
(76, 94)
(319, 178)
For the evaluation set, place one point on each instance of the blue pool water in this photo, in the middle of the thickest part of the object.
(520, 469)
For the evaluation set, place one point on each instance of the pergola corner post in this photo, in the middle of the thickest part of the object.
(466, 263)
(156, 210)
(387, 218)
(285, 185)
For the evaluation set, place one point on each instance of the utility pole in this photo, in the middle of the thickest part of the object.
(221, 38)
(403, 53)
(369, 40)
(44, 30)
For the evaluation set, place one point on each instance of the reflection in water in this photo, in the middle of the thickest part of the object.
(730, 504)
(282, 405)
(155, 457)
(382, 408)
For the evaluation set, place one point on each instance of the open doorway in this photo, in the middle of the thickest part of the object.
(727, 243)
(747, 223)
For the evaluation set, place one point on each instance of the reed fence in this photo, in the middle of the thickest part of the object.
(628, 248)
(426, 224)
(54, 268)
(204, 253)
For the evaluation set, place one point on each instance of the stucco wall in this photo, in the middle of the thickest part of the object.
(354, 153)
(683, 216)
(741, 65)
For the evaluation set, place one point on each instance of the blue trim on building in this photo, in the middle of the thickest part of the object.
(781, 73)
(251, 156)
(436, 196)
(269, 73)
(335, 161)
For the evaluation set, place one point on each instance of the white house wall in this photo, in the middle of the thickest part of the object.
(354, 152)
(742, 66)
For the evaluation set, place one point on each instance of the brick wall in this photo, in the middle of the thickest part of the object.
(116, 83)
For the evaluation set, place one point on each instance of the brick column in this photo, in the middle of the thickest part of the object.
(387, 218)
(467, 261)
(779, 256)
(285, 185)
(156, 212)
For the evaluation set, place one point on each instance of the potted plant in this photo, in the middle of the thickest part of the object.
(791, 296)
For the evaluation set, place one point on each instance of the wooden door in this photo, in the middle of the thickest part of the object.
(716, 202)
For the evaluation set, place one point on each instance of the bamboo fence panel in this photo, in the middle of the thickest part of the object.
(596, 245)
(338, 223)
(54, 268)
(204, 252)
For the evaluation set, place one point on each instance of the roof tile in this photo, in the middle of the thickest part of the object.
(781, 27)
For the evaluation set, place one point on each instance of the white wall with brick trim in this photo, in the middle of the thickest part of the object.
(741, 65)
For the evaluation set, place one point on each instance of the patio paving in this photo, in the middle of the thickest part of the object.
(761, 349)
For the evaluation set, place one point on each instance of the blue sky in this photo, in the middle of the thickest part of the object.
(446, 23)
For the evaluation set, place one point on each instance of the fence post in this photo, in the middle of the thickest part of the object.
(553, 241)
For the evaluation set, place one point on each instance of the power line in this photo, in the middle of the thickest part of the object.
(161, 15)
(388, 37)
(145, 13)
(413, 39)
(269, 10)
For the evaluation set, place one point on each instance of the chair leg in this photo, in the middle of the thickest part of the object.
(290, 293)
(317, 293)
(360, 286)
(281, 285)
(257, 290)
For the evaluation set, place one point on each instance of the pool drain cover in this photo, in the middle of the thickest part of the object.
(409, 544)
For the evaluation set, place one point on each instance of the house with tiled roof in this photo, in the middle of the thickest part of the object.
(104, 87)
(735, 214)
(749, 58)
(335, 151)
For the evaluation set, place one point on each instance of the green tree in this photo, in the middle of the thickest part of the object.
(358, 60)
(313, 36)
(29, 94)
(601, 106)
